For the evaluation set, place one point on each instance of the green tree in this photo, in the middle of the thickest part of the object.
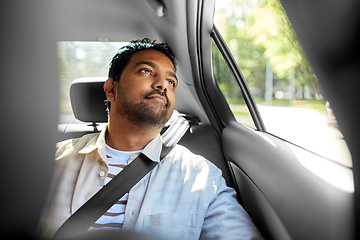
(257, 30)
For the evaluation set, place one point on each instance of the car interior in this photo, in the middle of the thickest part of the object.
(281, 186)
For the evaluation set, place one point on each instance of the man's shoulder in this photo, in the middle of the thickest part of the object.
(181, 151)
(186, 157)
(73, 145)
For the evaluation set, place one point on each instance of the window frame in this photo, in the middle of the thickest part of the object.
(236, 72)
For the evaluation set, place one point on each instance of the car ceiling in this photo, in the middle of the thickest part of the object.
(117, 21)
(113, 19)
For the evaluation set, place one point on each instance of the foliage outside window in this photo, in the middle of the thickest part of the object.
(262, 41)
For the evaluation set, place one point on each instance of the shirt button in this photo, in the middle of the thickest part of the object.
(102, 173)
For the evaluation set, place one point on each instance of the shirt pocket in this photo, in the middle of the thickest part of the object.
(173, 225)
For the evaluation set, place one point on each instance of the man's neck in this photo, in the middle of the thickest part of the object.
(125, 136)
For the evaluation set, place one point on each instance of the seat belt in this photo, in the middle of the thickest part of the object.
(107, 196)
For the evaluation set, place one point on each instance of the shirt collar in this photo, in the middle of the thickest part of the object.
(96, 142)
(152, 150)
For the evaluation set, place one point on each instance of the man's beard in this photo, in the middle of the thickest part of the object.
(143, 114)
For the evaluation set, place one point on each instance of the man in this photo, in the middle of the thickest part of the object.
(183, 197)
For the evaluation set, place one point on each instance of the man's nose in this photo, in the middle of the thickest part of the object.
(160, 83)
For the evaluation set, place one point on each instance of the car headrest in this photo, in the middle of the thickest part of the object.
(88, 99)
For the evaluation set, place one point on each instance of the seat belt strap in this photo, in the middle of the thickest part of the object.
(107, 196)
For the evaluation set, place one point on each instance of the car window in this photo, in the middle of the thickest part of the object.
(286, 91)
(77, 60)
(229, 87)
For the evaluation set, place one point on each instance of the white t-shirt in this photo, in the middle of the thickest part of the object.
(114, 217)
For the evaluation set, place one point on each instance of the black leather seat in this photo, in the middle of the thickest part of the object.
(88, 101)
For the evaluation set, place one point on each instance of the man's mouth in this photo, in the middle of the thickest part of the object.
(158, 95)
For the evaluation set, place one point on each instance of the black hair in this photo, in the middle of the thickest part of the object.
(124, 54)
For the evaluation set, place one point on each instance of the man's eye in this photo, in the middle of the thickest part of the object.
(171, 82)
(147, 71)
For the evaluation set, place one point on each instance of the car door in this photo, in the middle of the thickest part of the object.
(290, 192)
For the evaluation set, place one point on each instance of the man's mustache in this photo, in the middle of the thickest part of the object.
(161, 93)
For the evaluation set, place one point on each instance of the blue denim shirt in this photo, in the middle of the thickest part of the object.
(183, 197)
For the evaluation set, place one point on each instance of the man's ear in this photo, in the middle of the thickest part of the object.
(109, 88)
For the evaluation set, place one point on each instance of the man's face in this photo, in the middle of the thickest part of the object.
(145, 93)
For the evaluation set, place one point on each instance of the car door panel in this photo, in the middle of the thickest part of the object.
(286, 197)
(259, 208)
